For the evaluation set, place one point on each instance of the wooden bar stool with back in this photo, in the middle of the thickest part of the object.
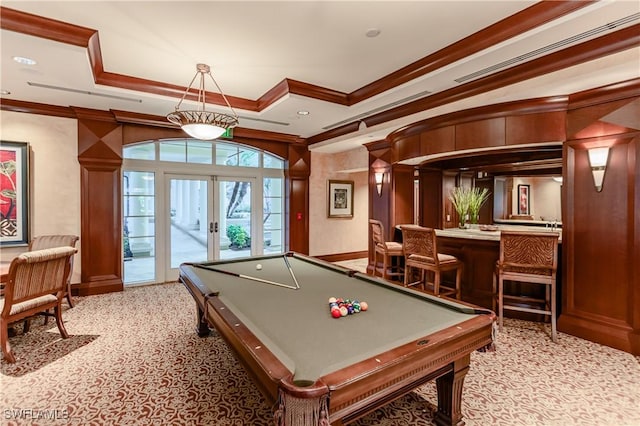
(527, 257)
(390, 251)
(421, 252)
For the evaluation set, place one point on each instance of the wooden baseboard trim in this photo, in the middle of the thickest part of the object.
(608, 334)
(339, 257)
(97, 287)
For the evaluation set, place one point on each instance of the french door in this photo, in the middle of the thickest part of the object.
(209, 218)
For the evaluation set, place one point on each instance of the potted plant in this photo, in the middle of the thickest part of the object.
(239, 237)
(460, 198)
(477, 197)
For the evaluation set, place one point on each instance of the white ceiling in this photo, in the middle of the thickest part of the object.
(253, 46)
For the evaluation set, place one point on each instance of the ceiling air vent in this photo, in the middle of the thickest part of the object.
(262, 120)
(83, 92)
(377, 110)
(550, 48)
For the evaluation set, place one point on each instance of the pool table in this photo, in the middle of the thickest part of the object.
(273, 311)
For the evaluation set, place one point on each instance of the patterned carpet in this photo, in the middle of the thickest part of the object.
(133, 358)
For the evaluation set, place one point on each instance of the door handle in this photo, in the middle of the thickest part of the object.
(213, 227)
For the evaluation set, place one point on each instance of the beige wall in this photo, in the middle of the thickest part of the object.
(334, 236)
(54, 175)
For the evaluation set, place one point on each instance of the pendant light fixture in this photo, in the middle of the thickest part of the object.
(200, 123)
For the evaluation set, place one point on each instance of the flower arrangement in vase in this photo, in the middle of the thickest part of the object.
(460, 198)
(467, 202)
(477, 198)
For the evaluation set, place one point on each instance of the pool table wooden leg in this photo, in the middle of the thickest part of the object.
(450, 394)
(202, 327)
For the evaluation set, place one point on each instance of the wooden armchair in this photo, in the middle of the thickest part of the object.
(36, 282)
(51, 241)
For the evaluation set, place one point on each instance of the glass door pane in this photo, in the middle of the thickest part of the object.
(234, 218)
(139, 239)
(189, 221)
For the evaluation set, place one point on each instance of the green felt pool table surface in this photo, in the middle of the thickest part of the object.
(295, 326)
(298, 327)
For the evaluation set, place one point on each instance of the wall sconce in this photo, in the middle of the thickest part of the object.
(379, 176)
(598, 161)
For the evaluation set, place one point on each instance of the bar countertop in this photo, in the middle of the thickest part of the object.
(475, 232)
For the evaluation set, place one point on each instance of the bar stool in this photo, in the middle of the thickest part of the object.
(391, 268)
(527, 257)
(421, 252)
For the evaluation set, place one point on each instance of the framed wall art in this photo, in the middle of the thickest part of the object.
(340, 198)
(14, 193)
(523, 199)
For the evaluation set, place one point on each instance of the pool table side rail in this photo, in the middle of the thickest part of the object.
(370, 384)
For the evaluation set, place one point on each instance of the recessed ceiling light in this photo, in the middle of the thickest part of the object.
(24, 61)
(372, 32)
(303, 112)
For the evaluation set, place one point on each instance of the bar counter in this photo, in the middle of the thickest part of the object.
(479, 250)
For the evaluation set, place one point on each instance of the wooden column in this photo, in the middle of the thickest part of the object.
(100, 158)
(601, 230)
(297, 181)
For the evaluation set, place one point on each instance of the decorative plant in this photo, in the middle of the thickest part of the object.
(460, 198)
(477, 197)
(468, 201)
(238, 236)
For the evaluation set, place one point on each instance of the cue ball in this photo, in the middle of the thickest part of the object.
(258, 266)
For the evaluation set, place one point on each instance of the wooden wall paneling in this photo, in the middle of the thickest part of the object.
(297, 182)
(535, 128)
(299, 215)
(486, 211)
(380, 206)
(479, 258)
(402, 195)
(634, 300)
(480, 134)
(134, 133)
(438, 140)
(100, 158)
(406, 147)
(600, 235)
(432, 192)
(618, 117)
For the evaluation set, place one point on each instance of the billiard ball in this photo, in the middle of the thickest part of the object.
(332, 300)
(336, 313)
(343, 311)
(259, 266)
(364, 306)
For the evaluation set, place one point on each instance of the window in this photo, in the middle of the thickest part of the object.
(145, 151)
(272, 218)
(139, 224)
(236, 155)
(271, 162)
